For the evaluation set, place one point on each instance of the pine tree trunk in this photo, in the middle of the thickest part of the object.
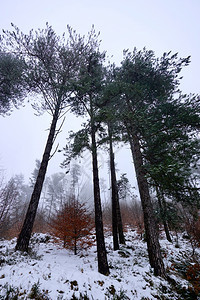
(119, 223)
(166, 228)
(25, 234)
(151, 231)
(101, 249)
(114, 193)
(75, 245)
(162, 212)
(115, 196)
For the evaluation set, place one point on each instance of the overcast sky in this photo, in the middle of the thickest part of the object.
(159, 25)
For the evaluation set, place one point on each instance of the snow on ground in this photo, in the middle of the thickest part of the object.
(51, 272)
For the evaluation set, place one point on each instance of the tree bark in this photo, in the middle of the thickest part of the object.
(114, 193)
(25, 234)
(101, 249)
(119, 223)
(75, 244)
(117, 226)
(162, 213)
(151, 231)
(166, 228)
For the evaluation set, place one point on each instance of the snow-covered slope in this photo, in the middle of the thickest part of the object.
(51, 272)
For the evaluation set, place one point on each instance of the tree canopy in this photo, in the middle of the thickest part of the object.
(12, 82)
(138, 102)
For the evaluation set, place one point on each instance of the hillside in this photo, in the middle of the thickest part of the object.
(51, 272)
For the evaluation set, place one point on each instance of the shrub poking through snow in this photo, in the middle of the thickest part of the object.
(36, 294)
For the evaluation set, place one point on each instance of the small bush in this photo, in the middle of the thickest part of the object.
(74, 226)
(11, 293)
(36, 294)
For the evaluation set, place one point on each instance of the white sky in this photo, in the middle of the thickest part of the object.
(159, 25)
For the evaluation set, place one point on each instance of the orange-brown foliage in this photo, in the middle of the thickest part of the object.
(193, 229)
(73, 225)
(196, 232)
(193, 276)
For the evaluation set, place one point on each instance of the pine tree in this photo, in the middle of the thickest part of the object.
(51, 63)
(147, 105)
(88, 90)
(13, 88)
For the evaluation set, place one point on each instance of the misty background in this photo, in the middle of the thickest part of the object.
(161, 26)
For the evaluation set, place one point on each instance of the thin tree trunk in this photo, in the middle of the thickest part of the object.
(25, 234)
(119, 223)
(114, 192)
(75, 244)
(166, 228)
(116, 213)
(101, 249)
(162, 213)
(151, 231)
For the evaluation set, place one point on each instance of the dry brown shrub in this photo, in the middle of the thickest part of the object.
(74, 226)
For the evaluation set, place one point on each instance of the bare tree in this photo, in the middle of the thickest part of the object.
(8, 193)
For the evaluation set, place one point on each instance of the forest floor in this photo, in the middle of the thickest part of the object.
(51, 272)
